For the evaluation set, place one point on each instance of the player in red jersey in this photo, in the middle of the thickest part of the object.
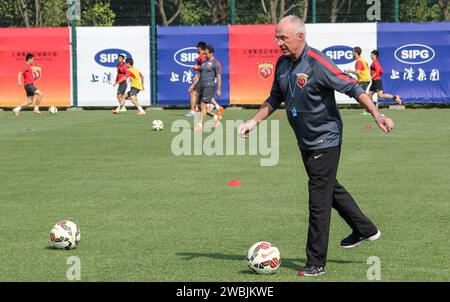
(121, 80)
(377, 86)
(33, 94)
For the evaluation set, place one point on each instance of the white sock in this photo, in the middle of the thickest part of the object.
(217, 106)
(118, 107)
(140, 109)
(18, 108)
(36, 107)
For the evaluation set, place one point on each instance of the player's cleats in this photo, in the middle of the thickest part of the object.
(311, 271)
(198, 127)
(36, 111)
(16, 112)
(115, 111)
(141, 113)
(398, 99)
(123, 109)
(190, 113)
(353, 240)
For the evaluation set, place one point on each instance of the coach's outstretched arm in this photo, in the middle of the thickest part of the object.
(264, 111)
(383, 122)
(330, 76)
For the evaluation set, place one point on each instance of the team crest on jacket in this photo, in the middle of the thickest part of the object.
(265, 70)
(302, 79)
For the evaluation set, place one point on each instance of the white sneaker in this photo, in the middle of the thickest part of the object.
(124, 109)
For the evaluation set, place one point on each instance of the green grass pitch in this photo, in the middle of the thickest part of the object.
(147, 215)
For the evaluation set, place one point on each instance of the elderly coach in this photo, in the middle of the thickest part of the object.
(305, 79)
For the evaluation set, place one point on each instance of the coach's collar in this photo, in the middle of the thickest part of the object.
(300, 58)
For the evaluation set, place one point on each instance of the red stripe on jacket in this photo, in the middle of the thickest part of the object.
(330, 67)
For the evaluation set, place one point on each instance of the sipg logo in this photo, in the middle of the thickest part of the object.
(186, 57)
(265, 70)
(340, 54)
(414, 54)
(108, 57)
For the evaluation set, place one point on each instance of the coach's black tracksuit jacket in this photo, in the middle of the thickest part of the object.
(307, 86)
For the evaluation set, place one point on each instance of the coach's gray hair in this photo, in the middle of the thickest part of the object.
(296, 21)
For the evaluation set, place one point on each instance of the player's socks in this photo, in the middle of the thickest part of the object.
(217, 107)
(140, 109)
(36, 110)
(397, 99)
(198, 127)
(190, 113)
(16, 110)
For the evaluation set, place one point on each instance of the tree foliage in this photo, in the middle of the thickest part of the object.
(49, 13)
(29, 13)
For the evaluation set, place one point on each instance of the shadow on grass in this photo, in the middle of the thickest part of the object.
(290, 263)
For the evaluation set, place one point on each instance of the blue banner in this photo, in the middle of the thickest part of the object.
(177, 54)
(416, 60)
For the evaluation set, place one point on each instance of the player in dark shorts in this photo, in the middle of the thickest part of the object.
(194, 89)
(209, 73)
(121, 80)
(377, 86)
(33, 94)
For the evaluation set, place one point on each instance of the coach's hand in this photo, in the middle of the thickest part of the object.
(384, 123)
(245, 128)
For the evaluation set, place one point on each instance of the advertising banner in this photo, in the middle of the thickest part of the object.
(51, 50)
(253, 55)
(415, 58)
(97, 52)
(254, 52)
(337, 42)
(177, 54)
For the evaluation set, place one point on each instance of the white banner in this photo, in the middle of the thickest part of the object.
(97, 51)
(337, 42)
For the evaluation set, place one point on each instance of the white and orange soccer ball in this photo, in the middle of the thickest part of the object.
(65, 235)
(263, 258)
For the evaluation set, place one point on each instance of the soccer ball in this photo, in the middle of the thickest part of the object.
(157, 125)
(53, 110)
(65, 235)
(263, 258)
